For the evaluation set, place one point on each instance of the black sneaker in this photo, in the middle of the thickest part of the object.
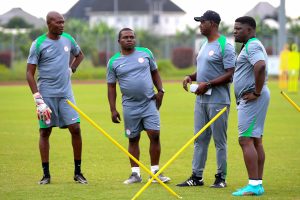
(44, 180)
(192, 181)
(79, 178)
(219, 182)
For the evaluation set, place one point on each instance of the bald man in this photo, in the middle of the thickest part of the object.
(50, 55)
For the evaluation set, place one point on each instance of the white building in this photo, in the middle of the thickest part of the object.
(160, 16)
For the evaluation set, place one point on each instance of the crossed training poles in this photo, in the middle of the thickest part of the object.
(154, 176)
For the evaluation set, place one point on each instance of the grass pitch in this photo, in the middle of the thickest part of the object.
(106, 167)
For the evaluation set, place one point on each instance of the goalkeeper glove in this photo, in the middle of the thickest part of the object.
(42, 110)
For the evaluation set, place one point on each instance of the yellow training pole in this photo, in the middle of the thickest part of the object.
(121, 147)
(180, 151)
(291, 101)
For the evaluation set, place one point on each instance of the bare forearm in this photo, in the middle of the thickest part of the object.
(156, 80)
(112, 96)
(259, 73)
(224, 79)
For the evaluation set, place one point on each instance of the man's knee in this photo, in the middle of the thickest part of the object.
(75, 129)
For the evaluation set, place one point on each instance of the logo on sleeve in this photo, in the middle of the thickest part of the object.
(66, 49)
(141, 60)
(210, 53)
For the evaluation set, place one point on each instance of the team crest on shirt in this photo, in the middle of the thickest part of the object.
(211, 52)
(66, 49)
(141, 60)
(128, 132)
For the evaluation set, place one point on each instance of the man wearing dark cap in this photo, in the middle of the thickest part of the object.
(215, 67)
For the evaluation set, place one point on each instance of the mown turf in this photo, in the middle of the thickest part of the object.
(106, 167)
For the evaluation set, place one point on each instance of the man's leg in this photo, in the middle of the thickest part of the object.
(77, 150)
(261, 161)
(155, 148)
(134, 150)
(250, 157)
(44, 147)
(154, 151)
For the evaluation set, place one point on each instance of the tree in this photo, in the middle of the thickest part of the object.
(17, 22)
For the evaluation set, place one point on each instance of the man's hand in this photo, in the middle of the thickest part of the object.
(115, 116)
(42, 110)
(158, 98)
(250, 97)
(186, 80)
(202, 88)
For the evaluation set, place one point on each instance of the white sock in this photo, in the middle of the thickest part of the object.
(154, 168)
(260, 182)
(253, 182)
(136, 170)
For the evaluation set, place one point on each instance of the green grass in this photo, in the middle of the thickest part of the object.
(106, 167)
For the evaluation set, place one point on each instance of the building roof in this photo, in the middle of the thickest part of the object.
(82, 7)
(18, 12)
(263, 10)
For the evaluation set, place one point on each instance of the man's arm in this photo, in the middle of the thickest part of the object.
(259, 75)
(112, 96)
(158, 84)
(76, 61)
(42, 109)
(221, 80)
(31, 68)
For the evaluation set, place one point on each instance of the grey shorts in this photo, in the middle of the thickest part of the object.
(252, 115)
(62, 113)
(137, 119)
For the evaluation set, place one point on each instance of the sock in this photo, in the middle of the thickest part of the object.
(136, 170)
(154, 168)
(253, 182)
(46, 171)
(77, 164)
(260, 181)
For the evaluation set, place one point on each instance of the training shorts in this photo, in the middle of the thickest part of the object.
(62, 113)
(139, 118)
(252, 115)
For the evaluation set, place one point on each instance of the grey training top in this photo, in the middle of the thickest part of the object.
(52, 58)
(244, 79)
(133, 72)
(212, 64)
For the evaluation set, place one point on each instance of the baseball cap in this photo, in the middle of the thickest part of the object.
(209, 16)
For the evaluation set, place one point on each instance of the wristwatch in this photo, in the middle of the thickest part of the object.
(161, 90)
(256, 94)
(208, 85)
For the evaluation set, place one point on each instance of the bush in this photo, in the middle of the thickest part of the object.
(183, 57)
(5, 58)
(101, 58)
(165, 66)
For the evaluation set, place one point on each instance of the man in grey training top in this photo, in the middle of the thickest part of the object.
(215, 67)
(136, 71)
(252, 97)
(50, 54)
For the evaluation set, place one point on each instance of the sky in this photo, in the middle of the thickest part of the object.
(226, 8)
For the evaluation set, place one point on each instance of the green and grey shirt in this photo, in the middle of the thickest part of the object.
(133, 72)
(52, 58)
(212, 62)
(244, 79)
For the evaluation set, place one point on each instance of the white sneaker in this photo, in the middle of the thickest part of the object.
(163, 178)
(133, 178)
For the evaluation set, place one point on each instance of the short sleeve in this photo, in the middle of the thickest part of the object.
(110, 73)
(33, 55)
(229, 56)
(255, 53)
